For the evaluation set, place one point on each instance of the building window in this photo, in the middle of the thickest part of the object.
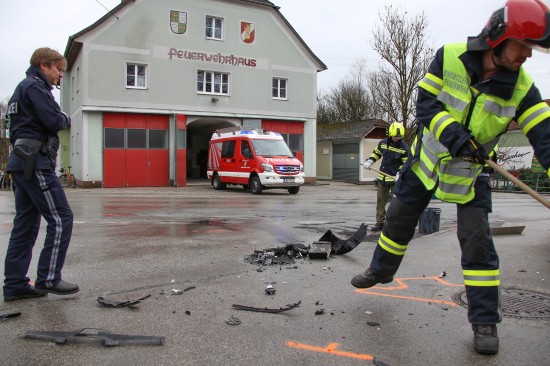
(279, 88)
(210, 82)
(136, 76)
(214, 28)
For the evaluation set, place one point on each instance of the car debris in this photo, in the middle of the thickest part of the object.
(377, 362)
(340, 246)
(373, 324)
(111, 303)
(443, 274)
(270, 290)
(281, 255)
(320, 250)
(319, 311)
(179, 292)
(267, 310)
(107, 338)
(233, 321)
(7, 316)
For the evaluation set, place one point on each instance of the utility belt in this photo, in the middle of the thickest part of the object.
(33, 148)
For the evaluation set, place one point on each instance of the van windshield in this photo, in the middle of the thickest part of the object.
(269, 148)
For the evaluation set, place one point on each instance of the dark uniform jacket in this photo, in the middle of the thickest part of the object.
(34, 114)
(393, 155)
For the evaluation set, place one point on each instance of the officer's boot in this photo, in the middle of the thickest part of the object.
(485, 338)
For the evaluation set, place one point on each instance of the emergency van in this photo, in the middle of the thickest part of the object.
(253, 158)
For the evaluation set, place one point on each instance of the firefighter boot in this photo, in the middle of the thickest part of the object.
(485, 338)
(369, 279)
(377, 227)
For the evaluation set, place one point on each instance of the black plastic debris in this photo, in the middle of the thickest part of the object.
(373, 324)
(319, 311)
(443, 274)
(281, 255)
(112, 303)
(377, 362)
(267, 310)
(6, 316)
(107, 338)
(340, 246)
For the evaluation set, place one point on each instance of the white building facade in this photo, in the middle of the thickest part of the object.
(148, 84)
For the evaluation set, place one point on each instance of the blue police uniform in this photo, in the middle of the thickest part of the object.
(35, 120)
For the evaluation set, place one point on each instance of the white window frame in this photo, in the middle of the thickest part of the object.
(214, 27)
(216, 88)
(278, 88)
(145, 77)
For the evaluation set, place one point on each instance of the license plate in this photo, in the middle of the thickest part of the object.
(288, 180)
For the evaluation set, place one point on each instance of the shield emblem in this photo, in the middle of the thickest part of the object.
(178, 21)
(248, 32)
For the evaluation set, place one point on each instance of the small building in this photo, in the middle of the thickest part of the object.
(343, 147)
(148, 84)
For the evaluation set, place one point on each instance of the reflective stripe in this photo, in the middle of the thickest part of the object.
(439, 122)
(481, 278)
(534, 116)
(431, 83)
(500, 110)
(390, 246)
(452, 101)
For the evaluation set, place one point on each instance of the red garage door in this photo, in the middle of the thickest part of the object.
(135, 150)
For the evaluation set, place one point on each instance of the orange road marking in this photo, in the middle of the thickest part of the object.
(331, 348)
(402, 286)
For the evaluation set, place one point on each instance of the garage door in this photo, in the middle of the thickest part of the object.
(135, 150)
(345, 161)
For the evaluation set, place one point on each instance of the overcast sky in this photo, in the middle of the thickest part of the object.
(337, 31)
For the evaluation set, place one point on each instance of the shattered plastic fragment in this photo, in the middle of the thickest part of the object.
(233, 321)
(112, 303)
(379, 363)
(340, 246)
(319, 312)
(267, 310)
(443, 274)
(373, 324)
(7, 316)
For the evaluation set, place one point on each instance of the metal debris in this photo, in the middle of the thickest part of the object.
(107, 338)
(270, 289)
(111, 303)
(443, 274)
(267, 310)
(179, 292)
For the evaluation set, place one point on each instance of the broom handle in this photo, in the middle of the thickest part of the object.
(518, 183)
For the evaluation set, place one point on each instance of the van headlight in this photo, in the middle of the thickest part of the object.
(267, 167)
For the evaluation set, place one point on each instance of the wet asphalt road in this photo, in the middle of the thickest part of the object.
(130, 243)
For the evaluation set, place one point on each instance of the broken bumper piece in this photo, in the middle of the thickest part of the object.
(108, 338)
(340, 246)
(267, 310)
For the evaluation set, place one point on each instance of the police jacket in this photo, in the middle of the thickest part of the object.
(393, 155)
(34, 114)
(455, 103)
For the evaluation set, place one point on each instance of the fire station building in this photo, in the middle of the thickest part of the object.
(147, 85)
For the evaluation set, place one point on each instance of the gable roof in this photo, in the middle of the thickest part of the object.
(73, 47)
(348, 131)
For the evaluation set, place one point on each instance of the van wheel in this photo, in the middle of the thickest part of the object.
(294, 190)
(245, 186)
(217, 183)
(255, 185)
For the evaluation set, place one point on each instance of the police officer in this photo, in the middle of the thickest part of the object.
(35, 120)
(471, 93)
(394, 152)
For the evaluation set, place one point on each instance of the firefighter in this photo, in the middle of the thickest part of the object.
(394, 152)
(471, 93)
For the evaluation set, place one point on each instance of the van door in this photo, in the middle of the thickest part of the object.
(229, 167)
(246, 160)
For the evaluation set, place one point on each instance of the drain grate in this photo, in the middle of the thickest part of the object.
(516, 303)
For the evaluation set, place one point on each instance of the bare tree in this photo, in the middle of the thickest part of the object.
(350, 100)
(401, 42)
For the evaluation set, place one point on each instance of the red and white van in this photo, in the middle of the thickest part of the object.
(255, 159)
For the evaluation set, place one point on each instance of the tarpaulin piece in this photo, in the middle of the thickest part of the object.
(339, 246)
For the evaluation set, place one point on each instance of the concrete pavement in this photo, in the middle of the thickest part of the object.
(137, 242)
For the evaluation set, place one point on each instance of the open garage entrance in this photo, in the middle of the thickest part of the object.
(199, 132)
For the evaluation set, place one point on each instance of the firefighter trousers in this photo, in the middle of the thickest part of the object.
(41, 196)
(479, 260)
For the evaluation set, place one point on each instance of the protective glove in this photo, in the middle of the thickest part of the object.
(473, 151)
(368, 164)
(397, 175)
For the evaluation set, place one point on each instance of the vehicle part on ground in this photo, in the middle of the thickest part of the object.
(340, 246)
(111, 303)
(267, 310)
(7, 316)
(108, 338)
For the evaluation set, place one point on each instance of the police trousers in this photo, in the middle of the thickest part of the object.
(479, 260)
(41, 196)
